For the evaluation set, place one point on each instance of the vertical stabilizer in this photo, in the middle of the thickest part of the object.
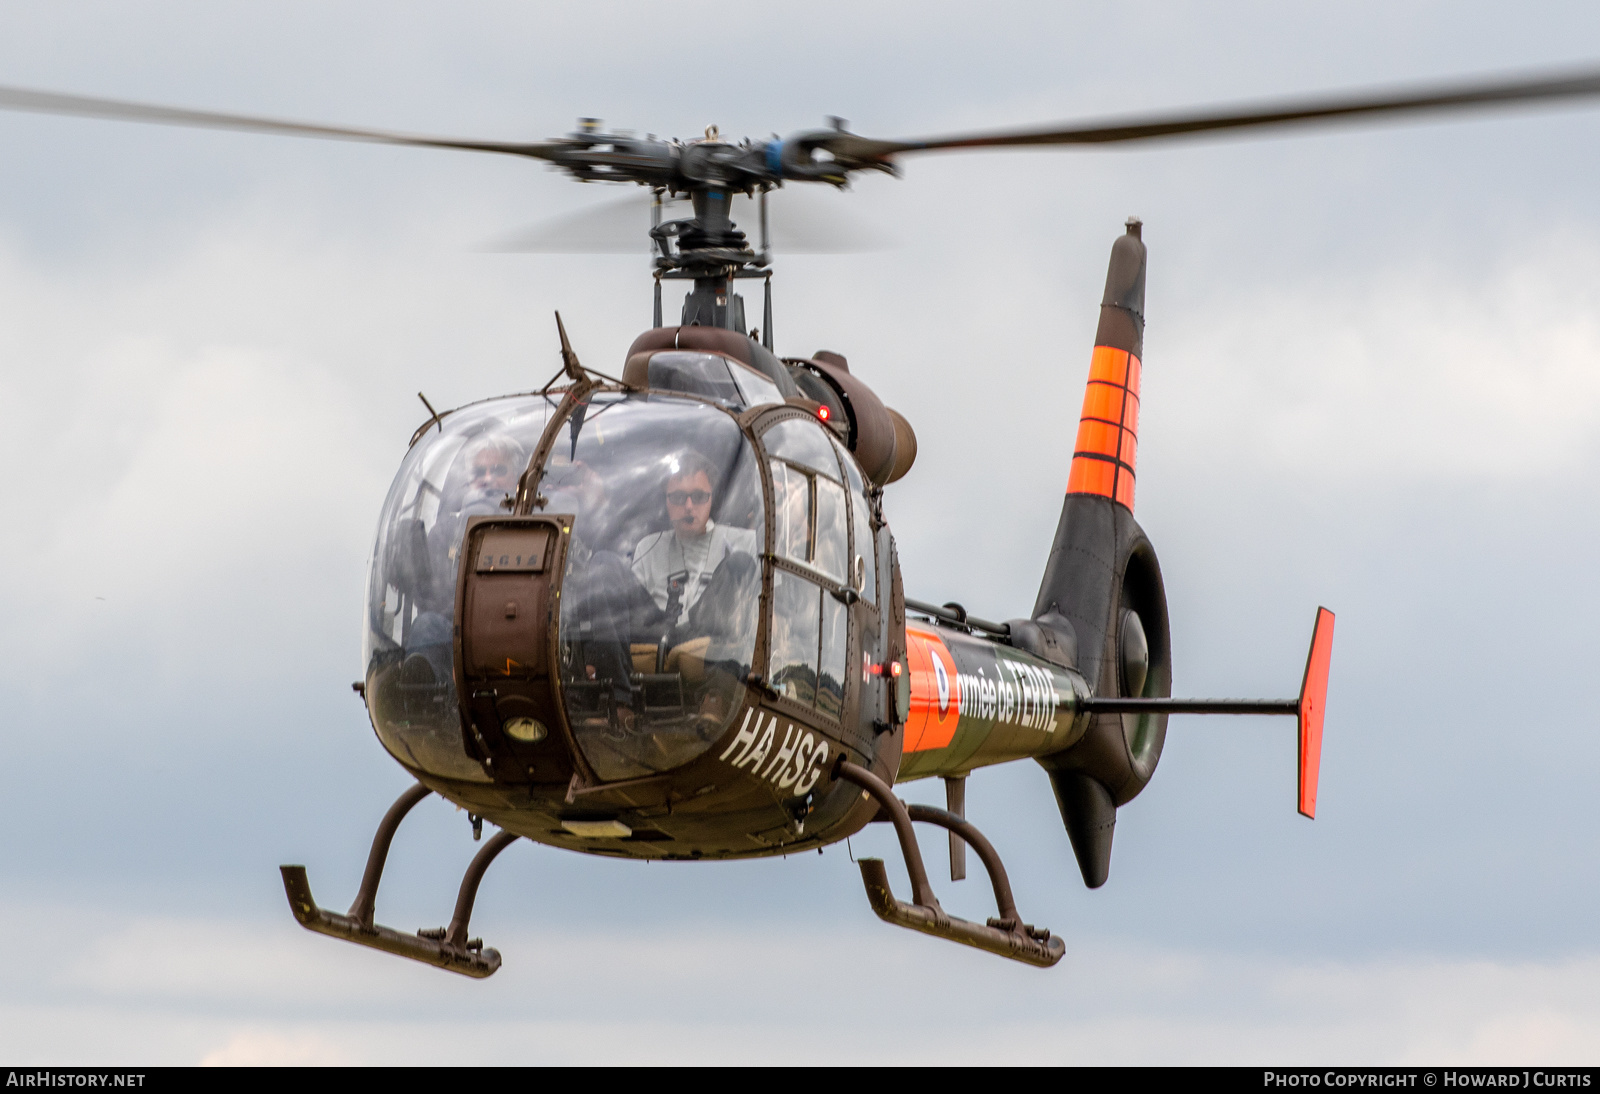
(1103, 583)
(1106, 454)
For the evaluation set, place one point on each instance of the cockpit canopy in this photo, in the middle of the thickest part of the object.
(680, 520)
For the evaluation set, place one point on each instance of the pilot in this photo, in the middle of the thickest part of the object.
(704, 580)
(677, 567)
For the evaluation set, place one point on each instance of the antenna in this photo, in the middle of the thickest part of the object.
(569, 359)
(766, 250)
(766, 313)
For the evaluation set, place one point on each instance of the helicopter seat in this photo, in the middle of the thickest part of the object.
(687, 659)
(669, 685)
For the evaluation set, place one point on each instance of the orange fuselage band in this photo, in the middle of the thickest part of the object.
(935, 699)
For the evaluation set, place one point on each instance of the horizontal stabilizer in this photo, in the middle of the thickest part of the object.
(1307, 708)
(1191, 706)
(1313, 696)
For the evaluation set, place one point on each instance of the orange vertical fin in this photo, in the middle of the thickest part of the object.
(1106, 453)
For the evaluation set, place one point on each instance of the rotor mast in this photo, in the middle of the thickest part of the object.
(707, 248)
(713, 253)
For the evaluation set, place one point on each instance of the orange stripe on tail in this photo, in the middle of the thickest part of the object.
(1104, 458)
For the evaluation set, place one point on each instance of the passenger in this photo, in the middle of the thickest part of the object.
(604, 604)
(490, 466)
(677, 567)
(575, 488)
(493, 463)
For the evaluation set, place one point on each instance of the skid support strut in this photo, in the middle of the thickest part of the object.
(446, 947)
(1005, 935)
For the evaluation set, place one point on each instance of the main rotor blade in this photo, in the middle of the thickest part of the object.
(612, 227)
(1478, 94)
(83, 106)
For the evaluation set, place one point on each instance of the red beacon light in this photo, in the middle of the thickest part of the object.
(823, 412)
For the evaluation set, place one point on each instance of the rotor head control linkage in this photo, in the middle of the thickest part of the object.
(1005, 935)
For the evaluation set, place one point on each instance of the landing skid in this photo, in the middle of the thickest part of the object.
(446, 947)
(1005, 935)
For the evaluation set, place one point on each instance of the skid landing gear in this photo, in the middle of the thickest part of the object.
(446, 947)
(1005, 935)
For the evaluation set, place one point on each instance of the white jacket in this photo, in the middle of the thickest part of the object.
(660, 555)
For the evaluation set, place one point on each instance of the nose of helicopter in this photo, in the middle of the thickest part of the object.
(624, 610)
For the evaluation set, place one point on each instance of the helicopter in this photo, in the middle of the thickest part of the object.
(623, 613)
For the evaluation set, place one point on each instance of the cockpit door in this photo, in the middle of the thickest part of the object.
(507, 599)
(814, 582)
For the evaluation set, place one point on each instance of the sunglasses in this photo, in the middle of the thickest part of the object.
(680, 497)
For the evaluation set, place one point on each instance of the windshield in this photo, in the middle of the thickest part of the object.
(663, 582)
(466, 466)
(711, 376)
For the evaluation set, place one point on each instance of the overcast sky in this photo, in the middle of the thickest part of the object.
(1372, 382)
